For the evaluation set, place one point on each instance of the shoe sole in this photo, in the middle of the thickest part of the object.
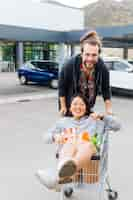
(41, 180)
(68, 169)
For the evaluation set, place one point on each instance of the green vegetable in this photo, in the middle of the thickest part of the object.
(95, 139)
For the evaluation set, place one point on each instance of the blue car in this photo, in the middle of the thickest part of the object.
(39, 71)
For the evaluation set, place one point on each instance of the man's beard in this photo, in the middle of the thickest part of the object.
(88, 65)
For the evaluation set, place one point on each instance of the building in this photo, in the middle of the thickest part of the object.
(45, 29)
(31, 29)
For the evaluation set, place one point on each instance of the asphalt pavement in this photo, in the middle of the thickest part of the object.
(11, 90)
(22, 150)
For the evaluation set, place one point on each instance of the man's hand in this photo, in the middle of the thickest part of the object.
(96, 116)
(63, 111)
(93, 115)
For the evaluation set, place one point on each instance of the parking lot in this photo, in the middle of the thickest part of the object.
(22, 150)
(11, 90)
(9, 86)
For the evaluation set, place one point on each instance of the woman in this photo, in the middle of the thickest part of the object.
(76, 136)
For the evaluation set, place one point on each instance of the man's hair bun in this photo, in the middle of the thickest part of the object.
(90, 37)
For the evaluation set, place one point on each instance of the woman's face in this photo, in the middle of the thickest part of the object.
(78, 107)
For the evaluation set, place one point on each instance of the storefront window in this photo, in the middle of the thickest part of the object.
(39, 51)
(7, 56)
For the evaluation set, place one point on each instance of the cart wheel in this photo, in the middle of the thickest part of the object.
(68, 192)
(112, 195)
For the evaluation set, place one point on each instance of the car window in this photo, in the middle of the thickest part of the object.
(34, 63)
(131, 62)
(45, 65)
(53, 65)
(119, 66)
(49, 65)
(30, 65)
(109, 64)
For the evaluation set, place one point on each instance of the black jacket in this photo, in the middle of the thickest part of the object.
(69, 77)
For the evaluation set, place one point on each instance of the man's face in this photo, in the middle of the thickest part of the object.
(90, 55)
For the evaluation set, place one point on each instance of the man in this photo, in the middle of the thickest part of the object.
(85, 73)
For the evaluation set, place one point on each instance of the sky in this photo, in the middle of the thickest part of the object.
(78, 3)
(74, 3)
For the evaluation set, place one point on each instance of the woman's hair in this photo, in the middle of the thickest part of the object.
(85, 100)
(92, 38)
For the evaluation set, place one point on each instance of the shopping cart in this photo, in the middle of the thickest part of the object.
(90, 182)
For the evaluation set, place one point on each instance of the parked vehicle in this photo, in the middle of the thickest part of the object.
(130, 61)
(121, 74)
(39, 71)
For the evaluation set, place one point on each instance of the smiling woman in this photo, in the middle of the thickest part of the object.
(79, 138)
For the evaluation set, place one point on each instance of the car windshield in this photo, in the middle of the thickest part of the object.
(45, 65)
(30, 65)
(122, 66)
(130, 61)
(119, 65)
(128, 64)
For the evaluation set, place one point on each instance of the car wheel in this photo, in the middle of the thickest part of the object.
(54, 83)
(23, 80)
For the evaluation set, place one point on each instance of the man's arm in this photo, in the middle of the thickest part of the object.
(65, 78)
(63, 108)
(112, 123)
(108, 107)
(62, 88)
(106, 90)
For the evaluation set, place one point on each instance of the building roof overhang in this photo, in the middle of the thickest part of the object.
(111, 36)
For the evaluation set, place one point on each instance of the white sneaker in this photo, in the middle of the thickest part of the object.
(48, 178)
(66, 167)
